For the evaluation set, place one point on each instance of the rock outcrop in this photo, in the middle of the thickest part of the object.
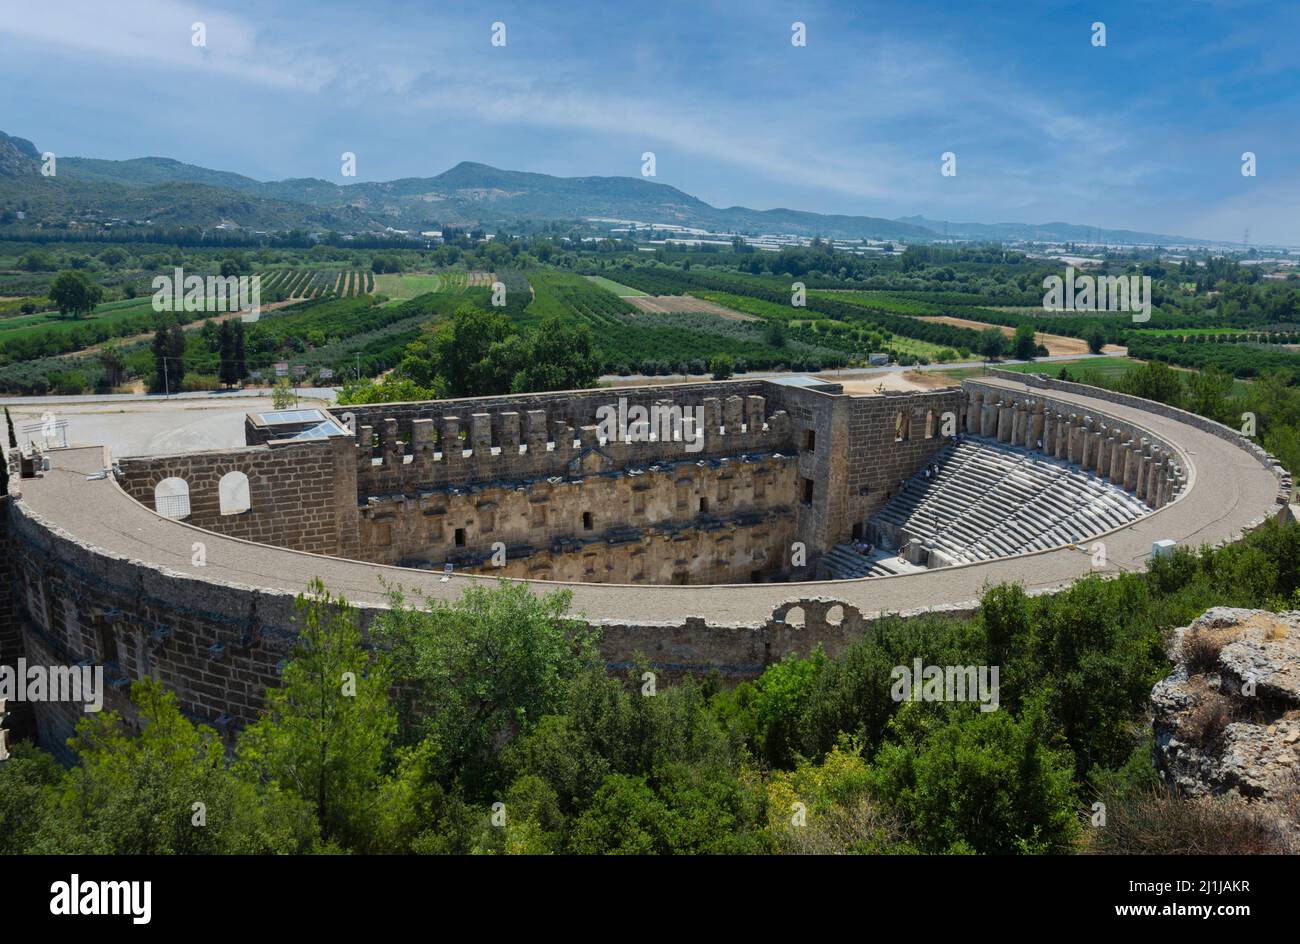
(1227, 721)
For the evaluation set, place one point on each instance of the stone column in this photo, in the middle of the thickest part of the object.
(1036, 422)
(754, 406)
(988, 418)
(1144, 471)
(508, 436)
(712, 416)
(732, 409)
(562, 435)
(365, 447)
(1132, 460)
(389, 445)
(1006, 422)
(1018, 416)
(973, 405)
(480, 434)
(1048, 432)
(422, 433)
(1099, 451)
(453, 450)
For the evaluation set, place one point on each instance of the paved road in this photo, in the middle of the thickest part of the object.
(1227, 491)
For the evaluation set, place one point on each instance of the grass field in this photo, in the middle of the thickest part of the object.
(1109, 367)
(404, 286)
(27, 325)
(622, 291)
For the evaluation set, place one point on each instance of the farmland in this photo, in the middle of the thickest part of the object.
(407, 285)
(609, 285)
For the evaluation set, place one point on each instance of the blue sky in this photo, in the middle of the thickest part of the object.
(1146, 133)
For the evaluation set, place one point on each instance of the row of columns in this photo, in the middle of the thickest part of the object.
(1122, 456)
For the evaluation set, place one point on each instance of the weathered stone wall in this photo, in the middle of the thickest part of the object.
(705, 521)
(889, 438)
(219, 647)
(19, 719)
(574, 408)
(523, 441)
(301, 496)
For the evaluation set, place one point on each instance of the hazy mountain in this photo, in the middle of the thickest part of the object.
(1047, 232)
(170, 192)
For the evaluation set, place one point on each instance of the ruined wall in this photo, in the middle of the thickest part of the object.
(656, 524)
(301, 496)
(219, 647)
(523, 441)
(890, 437)
(216, 647)
(574, 408)
(19, 720)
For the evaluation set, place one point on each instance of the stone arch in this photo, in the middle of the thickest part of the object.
(171, 497)
(817, 614)
(233, 493)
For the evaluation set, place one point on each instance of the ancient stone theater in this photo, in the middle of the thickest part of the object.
(700, 527)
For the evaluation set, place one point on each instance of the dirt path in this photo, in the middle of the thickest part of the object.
(1055, 343)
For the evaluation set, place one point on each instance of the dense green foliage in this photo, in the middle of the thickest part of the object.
(488, 725)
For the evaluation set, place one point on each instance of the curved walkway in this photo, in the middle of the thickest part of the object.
(1228, 491)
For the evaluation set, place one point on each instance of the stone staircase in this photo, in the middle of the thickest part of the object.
(991, 500)
(843, 562)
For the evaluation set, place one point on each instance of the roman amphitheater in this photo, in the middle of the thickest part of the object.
(776, 516)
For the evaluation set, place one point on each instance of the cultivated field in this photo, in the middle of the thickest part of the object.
(609, 285)
(403, 286)
(1055, 343)
(674, 304)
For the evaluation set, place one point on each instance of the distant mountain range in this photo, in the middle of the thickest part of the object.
(169, 192)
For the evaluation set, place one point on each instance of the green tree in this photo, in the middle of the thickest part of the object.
(1023, 345)
(1096, 337)
(992, 343)
(980, 782)
(327, 728)
(460, 349)
(162, 376)
(75, 294)
(176, 355)
(241, 363)
(478, 670)
(283, 397)
(164, 790)
(722, 366)
(556, 355)
(227, 371)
